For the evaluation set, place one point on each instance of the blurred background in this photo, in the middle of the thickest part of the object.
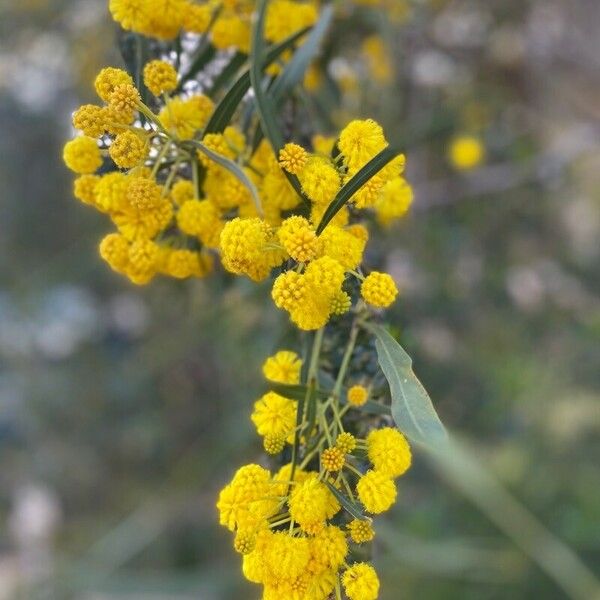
(123, 410)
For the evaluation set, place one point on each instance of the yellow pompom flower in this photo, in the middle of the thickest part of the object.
(389, 452)
(144, 194)
(143, 260)
(283, 367)
(124, 98)
(311, 504)
(82, 155)
(109, 79)
(185, 117)
(357, 395)
(182, 264)
(285, 558)
(201, 219)
(277, 191)
(114, 249)
(379, 289)
(293, 158)
(394, 202)
(196, 18)
(346, 442)
(466, 152)
(376, 491)
(245, 542)
(182, 191)
(273, 444)
(333, 459)
(361, 582)
(128, 150)
(328, 549)
(340, 303)
(320, 180)
(160, 77)
(299, 239)
(133, 15)
(90, 120)
(274, 415)
(341, 245)
(360, 141)
(84, 188)
(111, 192)
(361, 532)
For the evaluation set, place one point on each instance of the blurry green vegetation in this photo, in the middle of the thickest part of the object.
(131, 405)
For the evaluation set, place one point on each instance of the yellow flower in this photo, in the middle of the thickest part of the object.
(311, 504)
(346, 442)
(82, 155)
(320, 180)
(201, 219)
(340, 303)
(274, 415)
(90, 120)
(185, 117)
(357, 395)
(110, 78)
(394, 202)
(245, 542)
(328, 549)
(360, 141)
(111, 192)
(84, 188)
(466, 152)
(197, 18)
(389, 451)
(285, 557)
(144, 194)
(361, 531)
(114, 249)
(124, 98)
(299, 239)
(341, 245)
(333, 459)
(160, 77)
(182, 191)
(293, 158)
(361, 582)
(182, 264)
(376, 491)
(128, 150)
(379, 289)
(283, 367)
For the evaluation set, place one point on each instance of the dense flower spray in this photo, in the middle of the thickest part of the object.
(186, 183)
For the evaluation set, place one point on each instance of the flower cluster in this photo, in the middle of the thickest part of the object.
(298, 527)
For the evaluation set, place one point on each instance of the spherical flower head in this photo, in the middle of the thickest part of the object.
(82, 155)
(198, 217)
(160, 77)
(283, 367)
(340, 303)
(360, 141)
(245, 542)
(311, 503)
(299, 239)
(368, 195)
(346, 442)
(379, 289)
(133, 15)
(182, 264)
(293, 158)
(320, 180)
(218, 144)
(466, 152)
(285, 557)
(328, 549)
(333, 459)
(277, 191)
(184, 118)
(109, 79)
(144, 256)
(84, 188)
(395, 201)
(143, 194)
(389, 451)
(111, 192)
(274, 415)
(343, 246)
(289, 291)
(114, 249)
(273, 444)
(124, 98)
(376, 491)
(360, 582)
(357, 395)
(326, 276)
(196, 18)
(361, 532)
(128, 150)
(90, 120)
(182, 191)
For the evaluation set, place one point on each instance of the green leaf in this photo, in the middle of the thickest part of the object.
(295, 392)
(412, 408)
(224, 77)
(296, 68)
(264, 106)
(375, 408)
(367, 172)
(350, 506)
(225, 110)
(233, 168)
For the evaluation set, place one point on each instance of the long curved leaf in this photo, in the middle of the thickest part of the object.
(369, 170)
(225, 110)
(264, 106)
(233, 168)
(352, 508)
(412, 408)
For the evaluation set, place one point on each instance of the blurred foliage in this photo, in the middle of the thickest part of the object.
(130, 406)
